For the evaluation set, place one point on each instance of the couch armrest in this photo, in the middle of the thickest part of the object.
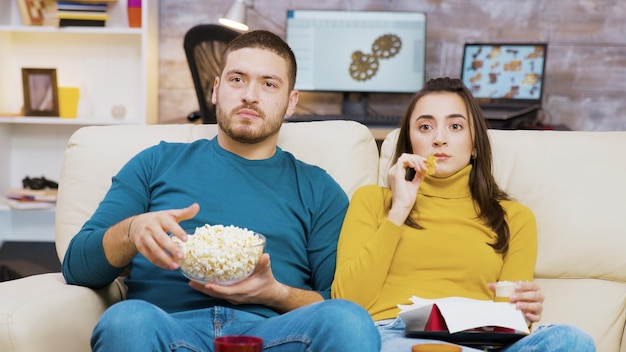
(43, 313)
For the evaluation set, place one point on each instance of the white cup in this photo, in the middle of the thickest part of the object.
(504, 289)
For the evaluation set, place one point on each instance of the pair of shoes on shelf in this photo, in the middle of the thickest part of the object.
(37, 183)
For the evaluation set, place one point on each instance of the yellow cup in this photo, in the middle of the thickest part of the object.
(68, 102)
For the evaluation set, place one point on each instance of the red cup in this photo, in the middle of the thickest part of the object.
(238, 343)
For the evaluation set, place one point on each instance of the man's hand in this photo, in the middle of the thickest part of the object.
(261, 288)
(147, 234)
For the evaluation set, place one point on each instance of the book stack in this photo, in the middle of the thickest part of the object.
(31, 199)
(82, 13)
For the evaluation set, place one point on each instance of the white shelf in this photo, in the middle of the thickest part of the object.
(27, 120)
(112, 65)
(71, 30)
(26, 225)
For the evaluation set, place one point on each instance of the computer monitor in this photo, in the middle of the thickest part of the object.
(358, 51)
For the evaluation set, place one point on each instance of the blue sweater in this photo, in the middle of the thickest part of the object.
(298, 207)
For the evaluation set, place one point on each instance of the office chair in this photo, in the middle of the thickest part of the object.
(204, 45)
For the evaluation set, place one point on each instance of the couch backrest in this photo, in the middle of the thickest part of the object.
(345, 149)
(574, 182)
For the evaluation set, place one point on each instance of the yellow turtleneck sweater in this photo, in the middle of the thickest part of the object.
(381, 265)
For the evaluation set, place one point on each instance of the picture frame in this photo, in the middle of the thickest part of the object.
(32, 11)
(41, 93)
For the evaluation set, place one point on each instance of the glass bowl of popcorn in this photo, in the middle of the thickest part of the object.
(220, 254)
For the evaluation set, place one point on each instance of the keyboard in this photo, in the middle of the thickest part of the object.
(367, 120)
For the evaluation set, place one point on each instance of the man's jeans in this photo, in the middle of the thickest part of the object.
(331, 325)
(546, 338)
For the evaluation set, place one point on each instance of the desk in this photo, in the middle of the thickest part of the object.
(380, 133)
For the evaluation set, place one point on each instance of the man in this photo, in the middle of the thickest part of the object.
(239, 178)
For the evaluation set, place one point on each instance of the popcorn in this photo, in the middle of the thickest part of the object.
(218, 253)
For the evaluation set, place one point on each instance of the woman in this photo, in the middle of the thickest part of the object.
(453, 233)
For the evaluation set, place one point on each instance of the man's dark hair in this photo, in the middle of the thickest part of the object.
(261, 39)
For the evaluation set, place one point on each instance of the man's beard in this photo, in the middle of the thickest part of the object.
(242, 131)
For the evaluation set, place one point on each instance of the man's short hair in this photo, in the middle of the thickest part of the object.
(262, 39)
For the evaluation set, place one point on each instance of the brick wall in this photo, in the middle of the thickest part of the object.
(586, 63)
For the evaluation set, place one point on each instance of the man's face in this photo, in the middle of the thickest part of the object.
(252, 95)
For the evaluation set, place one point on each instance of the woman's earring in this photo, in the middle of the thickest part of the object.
(474, 154)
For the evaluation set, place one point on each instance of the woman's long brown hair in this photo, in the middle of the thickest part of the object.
(483, 187)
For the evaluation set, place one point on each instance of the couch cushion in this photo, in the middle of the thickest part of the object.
(574, 183)
(345, 149)
(594, 305)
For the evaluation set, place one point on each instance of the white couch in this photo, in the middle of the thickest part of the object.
(573, 181)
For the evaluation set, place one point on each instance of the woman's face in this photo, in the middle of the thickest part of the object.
(441, 127)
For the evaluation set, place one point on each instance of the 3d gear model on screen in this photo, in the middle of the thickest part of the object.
(364, 66)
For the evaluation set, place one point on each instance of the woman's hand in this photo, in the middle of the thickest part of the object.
(528, 298)
(404, 192)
